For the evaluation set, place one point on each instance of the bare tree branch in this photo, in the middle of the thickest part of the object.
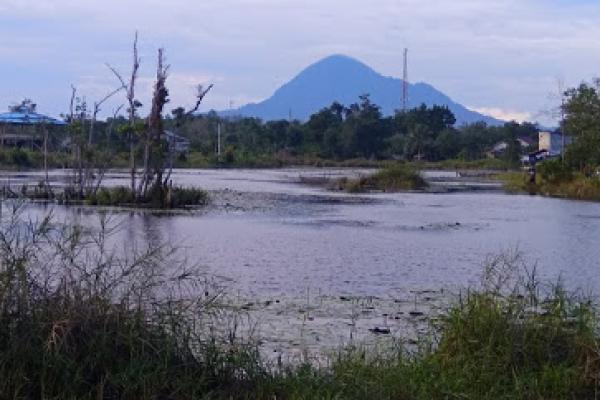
(201, 93)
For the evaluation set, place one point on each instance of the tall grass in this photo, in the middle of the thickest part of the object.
(577, 186)
(79, 321)
(512, 338)
(392, 178)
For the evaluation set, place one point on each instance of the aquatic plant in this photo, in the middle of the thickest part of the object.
(392, 178)
(79, 321)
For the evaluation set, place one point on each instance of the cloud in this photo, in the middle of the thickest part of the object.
(491, 54)
(504, 115)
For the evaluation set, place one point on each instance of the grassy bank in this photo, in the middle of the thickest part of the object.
(392, 178)
(120, 196)
(24, 159)
(577, 186)
(175, 197)
(79, 322)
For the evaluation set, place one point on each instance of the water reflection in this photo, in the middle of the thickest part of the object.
(287, 237)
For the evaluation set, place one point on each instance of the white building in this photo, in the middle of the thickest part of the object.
(552, 142)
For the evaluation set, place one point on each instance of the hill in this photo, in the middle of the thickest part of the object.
(343, 79)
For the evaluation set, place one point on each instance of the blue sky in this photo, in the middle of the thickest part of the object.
(503, 57)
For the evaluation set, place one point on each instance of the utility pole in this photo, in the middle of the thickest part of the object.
(219, 141)
(561, 93)
(405, 82)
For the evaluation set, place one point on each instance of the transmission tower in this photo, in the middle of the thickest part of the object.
(405, 82)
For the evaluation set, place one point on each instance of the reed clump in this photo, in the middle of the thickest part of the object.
(392, 178)
(78, 321)
(511, 338)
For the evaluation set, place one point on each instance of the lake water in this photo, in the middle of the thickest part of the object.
(273, 238)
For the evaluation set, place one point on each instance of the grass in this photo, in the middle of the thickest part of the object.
(392, 178)
(176, 197)
(453, 164)
(577, 186)
(80, 322)
(515, 340)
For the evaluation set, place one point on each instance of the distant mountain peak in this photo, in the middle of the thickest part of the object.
(343, 79)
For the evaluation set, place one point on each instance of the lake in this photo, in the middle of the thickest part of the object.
(273, 239)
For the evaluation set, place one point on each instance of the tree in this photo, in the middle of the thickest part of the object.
(582, 121)
(134, 104)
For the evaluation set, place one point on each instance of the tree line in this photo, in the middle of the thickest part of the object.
(359, 130)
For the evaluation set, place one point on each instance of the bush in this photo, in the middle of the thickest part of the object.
(176, 197)
(511, 339)
(183, 197)
(554, 171)
(392, 178)
(79, 322)
(116, 196)
(19, 157)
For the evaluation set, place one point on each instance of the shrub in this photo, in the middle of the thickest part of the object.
(79, 322)
(554, 171)
(176, 197)
(392, 178)
(20, 158)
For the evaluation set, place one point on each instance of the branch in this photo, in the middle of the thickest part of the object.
(72, 106)
(117, 74)
(199, 97)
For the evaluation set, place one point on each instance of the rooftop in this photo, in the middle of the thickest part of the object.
(25, 114)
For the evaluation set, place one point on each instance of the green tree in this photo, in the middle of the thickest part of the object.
(582, 121)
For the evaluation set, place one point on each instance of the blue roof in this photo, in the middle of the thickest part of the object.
(28, 118)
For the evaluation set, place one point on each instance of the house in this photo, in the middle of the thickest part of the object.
(500, 148)
(552, 142)
(22, 126)
(177, 143)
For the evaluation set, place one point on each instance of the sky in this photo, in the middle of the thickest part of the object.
(501, 57)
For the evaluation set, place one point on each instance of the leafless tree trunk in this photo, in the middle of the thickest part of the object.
(200, 94)
(73, 141)
(153, 155)
(47, 180)
(97, 110)
(133, 105)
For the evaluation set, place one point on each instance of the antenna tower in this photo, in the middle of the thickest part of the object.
(405, 82)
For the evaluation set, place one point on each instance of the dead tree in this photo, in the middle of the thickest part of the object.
(133, 106)
(96, 110)
(154, 160)
(200, 94)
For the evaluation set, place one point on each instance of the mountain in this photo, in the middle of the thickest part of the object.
(343, 79)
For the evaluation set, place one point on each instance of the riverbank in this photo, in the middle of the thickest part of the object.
(130, 328)
(576, 186)
(28, 160)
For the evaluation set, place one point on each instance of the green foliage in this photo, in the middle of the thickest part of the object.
(563, 183)
(175, 197)
(582, 120)
(335, 133)
(392, 178)
(359, 130)
(123, 328)
(111, 329)
(19, 157)
(554, 171)
(116, 196)
(183, 197)
(512, 339)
